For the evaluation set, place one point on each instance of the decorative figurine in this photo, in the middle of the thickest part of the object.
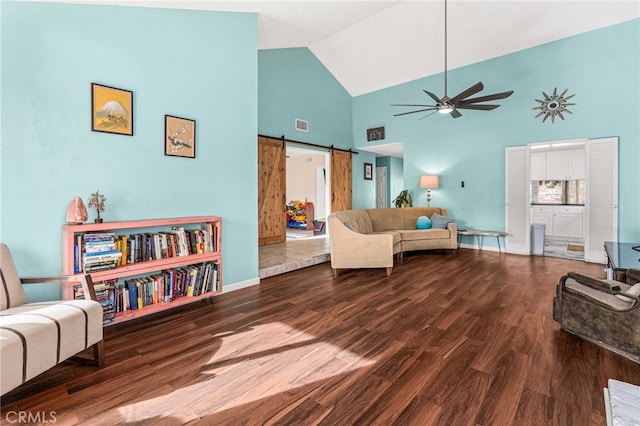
(97, 200)
(76, 212)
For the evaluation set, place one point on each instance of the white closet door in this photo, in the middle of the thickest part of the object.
(517, 201)
(601, 204)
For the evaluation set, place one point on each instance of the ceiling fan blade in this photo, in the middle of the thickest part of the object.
(495, 96)
(413, 112)
(428, 115)
(480, 107)
(470, 91)
(413, 105)
(455, 113)
(434, 97)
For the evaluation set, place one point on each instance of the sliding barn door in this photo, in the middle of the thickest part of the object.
(340, 180)
(271, 191)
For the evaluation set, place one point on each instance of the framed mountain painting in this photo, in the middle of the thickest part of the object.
(111, 110)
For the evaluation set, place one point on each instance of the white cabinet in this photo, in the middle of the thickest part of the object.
(538, 166)
(577, 164)
(568, 221)
(565, 164)
(560, 221)
(543, 214)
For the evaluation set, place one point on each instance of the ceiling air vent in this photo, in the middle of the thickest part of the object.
(308, 160)
(302, 125)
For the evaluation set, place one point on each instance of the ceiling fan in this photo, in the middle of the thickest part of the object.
(447, 105)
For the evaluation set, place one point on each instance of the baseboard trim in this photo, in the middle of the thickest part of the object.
(226, 288)
(484, 248)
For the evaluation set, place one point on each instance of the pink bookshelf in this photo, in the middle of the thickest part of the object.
(69, 233)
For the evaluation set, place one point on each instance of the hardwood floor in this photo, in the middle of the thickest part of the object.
(464, 339)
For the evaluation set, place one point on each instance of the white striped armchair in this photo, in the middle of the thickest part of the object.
(37, 336)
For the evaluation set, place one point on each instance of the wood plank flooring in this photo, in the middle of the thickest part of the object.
(463, 339)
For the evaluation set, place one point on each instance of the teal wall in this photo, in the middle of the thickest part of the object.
(293, 83)
(600, 67)
(198, 65)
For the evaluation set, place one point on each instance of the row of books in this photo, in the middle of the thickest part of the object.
(105, 295)
(100, 251)
(95, 252)
(162, 287)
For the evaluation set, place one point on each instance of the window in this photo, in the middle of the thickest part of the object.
(557, 191)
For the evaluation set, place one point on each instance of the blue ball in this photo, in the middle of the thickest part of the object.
(423, 222)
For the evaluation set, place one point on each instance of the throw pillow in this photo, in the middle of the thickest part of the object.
(634, 291)
(438, 221)
(423, 222)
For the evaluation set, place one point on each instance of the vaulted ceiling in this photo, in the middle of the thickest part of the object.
(370, 45)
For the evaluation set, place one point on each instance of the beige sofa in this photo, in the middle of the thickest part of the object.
(370, 238)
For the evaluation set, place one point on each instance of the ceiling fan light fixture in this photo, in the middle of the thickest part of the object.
(451, 106)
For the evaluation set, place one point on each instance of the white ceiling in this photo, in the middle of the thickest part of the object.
(370, 45)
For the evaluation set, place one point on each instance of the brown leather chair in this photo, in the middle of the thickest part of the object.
(605, 312)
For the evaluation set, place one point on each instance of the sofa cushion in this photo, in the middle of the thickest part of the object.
(387, 219)
(423, 222)
(356, 219)
(438, 221)
(424, 234)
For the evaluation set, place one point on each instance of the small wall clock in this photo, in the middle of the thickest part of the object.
(553, 105)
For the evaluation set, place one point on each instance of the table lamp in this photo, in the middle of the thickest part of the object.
(429, 182)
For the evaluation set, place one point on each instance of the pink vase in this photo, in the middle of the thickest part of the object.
(77, 212)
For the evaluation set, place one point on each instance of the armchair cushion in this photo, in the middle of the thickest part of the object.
(11, 293)
(36, 336)
(632, 291)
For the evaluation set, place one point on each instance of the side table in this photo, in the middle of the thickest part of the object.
(479, 234)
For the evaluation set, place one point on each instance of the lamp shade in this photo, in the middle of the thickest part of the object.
(429, 181)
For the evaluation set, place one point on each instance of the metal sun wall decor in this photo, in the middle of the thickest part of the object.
(553, 105)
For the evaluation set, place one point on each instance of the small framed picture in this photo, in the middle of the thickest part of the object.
(375, 134)
(368, 171)
(179, 137)
(111, 110)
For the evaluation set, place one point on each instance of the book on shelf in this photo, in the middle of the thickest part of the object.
(105, 295)
(97, 237)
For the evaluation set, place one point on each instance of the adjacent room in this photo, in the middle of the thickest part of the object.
(335, 213)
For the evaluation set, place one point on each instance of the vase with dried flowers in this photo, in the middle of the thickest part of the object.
(97, 200)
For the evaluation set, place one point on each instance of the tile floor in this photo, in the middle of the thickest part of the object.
(564, 249)
(293, 254)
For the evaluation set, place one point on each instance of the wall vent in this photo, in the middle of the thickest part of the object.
(308, 160)
(302, 125)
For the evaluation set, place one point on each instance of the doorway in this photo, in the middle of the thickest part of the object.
(307, 192)
(580, 229)
(381, 187)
